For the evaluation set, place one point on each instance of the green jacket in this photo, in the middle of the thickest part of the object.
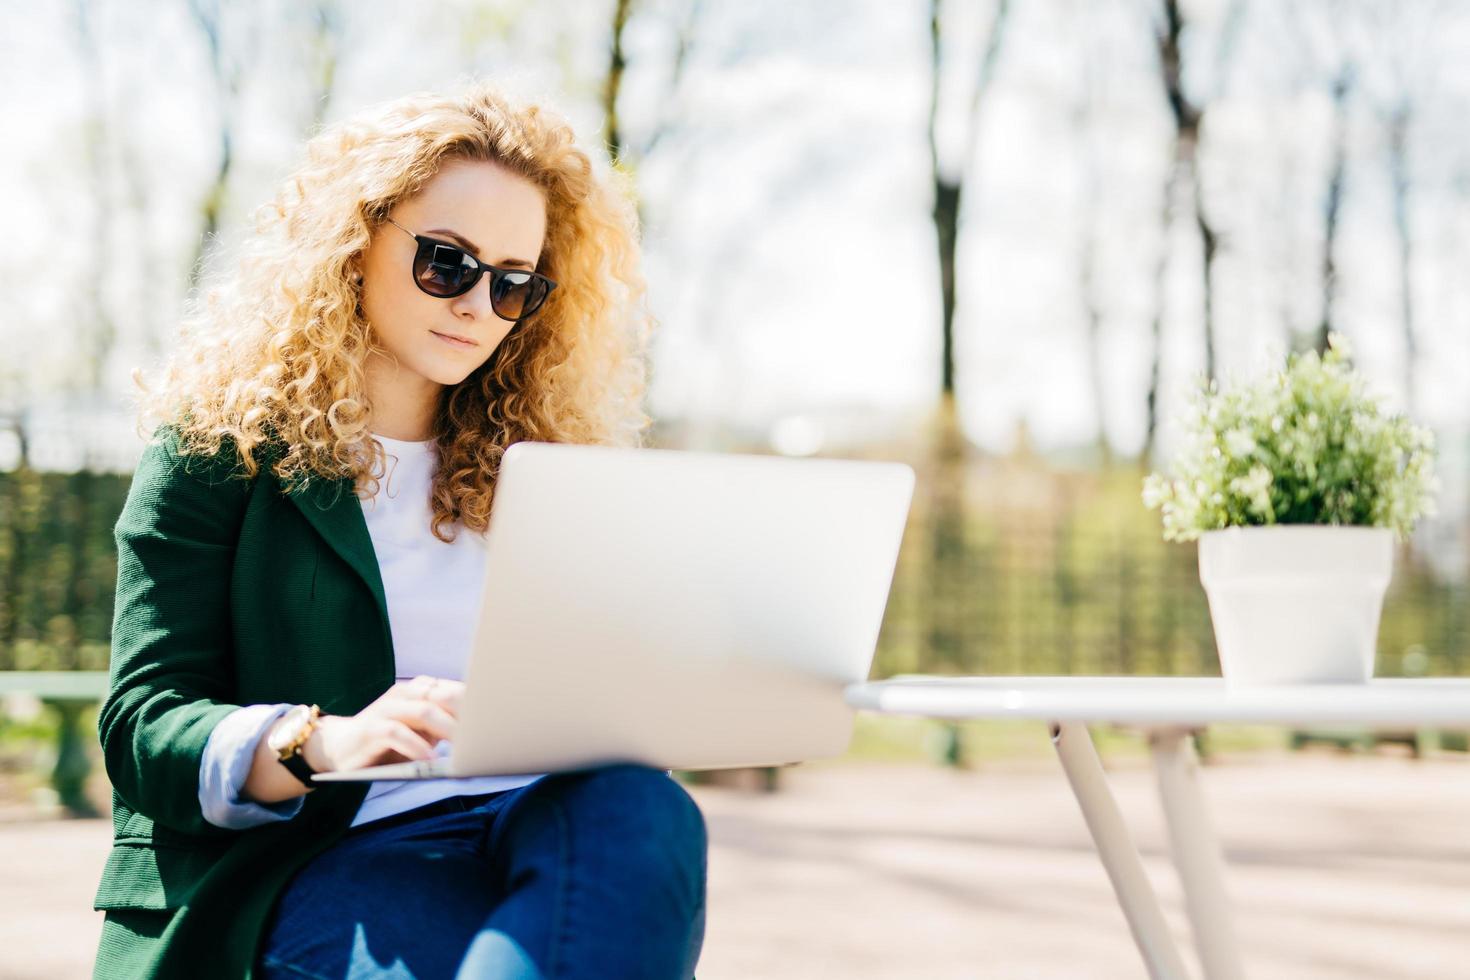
(230, 591)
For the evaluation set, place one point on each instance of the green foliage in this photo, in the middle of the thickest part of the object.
(58, 565)
(1025, 569)
(1052, 571)
(1307, 445)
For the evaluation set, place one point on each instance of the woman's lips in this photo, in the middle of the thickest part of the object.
(454, 341)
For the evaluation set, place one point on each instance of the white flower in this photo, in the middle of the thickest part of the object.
(1155, 490)
(1340, 343)
(1255, 487)
(1239, 443)
(1312, 432)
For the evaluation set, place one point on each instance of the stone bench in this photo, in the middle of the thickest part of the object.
(68, 692)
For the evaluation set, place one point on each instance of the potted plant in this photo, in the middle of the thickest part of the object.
(1295, 487)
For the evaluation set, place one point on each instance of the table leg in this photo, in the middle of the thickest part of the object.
(69, 776)
(1115, 847)
(1197, 854)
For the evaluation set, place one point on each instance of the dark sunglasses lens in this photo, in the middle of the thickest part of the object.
(443, 270)
(517, 294)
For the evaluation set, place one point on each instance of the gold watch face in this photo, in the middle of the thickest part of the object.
(285, 733)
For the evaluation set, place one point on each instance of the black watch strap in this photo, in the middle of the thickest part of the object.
(298, 768)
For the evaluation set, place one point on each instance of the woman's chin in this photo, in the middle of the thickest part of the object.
(449, 371)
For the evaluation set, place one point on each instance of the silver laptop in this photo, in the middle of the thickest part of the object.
(683, 610)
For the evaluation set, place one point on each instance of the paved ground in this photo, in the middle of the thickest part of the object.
(1339, 866)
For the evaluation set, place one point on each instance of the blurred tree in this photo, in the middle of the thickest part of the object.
(229, 55)
(1084, 125)
(1400, 115)
(626, 155)
(616, 65)
(324, 55)
(945, 578)
(94, 316)
(1341, 89)
(15, 389)
(1187, 114)
(949, 181)
(151, 294)
(1408, 71)
(1331, 45)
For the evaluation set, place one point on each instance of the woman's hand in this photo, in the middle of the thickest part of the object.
(400, 726)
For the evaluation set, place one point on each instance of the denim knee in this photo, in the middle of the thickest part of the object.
(658, 809)
(618, 853)
(663, 801)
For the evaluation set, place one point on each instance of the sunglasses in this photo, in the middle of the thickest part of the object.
(444, 270)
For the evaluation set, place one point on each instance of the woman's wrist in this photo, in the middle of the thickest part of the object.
(269, 781)
(313, 751)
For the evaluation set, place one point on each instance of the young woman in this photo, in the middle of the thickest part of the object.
(299, 563)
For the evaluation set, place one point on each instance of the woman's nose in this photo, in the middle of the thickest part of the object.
(476, 302)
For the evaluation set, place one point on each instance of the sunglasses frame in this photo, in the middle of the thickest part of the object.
(480, 268)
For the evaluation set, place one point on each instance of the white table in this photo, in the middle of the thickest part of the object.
(1169, 708)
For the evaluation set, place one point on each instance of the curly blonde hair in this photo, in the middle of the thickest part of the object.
(272, 361)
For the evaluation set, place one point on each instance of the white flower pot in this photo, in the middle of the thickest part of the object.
(1296, 603)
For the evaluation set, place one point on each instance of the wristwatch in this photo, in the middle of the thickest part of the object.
(289, 737)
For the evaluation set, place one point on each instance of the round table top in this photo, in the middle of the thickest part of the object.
(1172, 701)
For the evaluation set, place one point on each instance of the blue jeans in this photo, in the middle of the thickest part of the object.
(599, 873)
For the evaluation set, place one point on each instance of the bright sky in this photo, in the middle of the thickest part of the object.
(790, 250)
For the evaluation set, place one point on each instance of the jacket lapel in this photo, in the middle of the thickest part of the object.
(335, 512)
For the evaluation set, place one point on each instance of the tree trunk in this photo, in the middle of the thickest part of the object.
(945, 562)
(612, 85)
(1183, 168)
(1398, 162)
(208, 16)
(98, 326)
(1156, 324)
(326, 39)
(1084, 123)
(1332, 211)
(946, 227)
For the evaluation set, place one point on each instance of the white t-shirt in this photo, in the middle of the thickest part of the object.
(433, 593)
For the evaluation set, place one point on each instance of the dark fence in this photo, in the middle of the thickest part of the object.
(58, 566)
(1007, 567)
